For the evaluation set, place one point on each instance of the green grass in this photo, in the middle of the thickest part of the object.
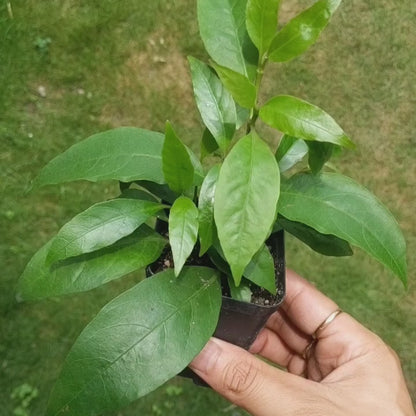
(124, 63)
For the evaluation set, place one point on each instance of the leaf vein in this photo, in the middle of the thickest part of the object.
(197, 293)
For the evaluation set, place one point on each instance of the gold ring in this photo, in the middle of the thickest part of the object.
(325, 323)
(315, 335)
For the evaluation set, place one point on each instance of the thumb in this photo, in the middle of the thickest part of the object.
(250, 383)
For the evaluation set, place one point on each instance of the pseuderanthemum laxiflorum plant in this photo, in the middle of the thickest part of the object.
(219, 210)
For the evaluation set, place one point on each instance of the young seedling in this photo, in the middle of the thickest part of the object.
(218, 213)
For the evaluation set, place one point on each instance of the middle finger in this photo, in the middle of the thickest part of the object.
(295, 339)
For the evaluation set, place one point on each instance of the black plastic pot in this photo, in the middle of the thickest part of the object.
(240, 322)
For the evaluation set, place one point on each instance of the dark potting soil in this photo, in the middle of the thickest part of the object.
(259, 295)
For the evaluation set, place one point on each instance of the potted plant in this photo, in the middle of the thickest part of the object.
(211, 228)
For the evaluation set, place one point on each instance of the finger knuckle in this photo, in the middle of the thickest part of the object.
(388, 355)
(395, 357)
(240, 378)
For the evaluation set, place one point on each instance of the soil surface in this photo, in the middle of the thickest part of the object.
(259, 296)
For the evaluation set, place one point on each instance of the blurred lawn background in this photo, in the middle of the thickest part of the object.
(70, 68)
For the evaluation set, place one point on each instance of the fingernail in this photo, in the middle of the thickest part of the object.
(205, 361)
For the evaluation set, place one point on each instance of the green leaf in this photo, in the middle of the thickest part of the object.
(214, 102)
(286, 142)
(262, 22)
(40, 280)
(137, 342)
(163, 192)
(241, 88)
(290, 151)
(303, 120)
(302, 31)
(183, 230)
(260, 270)
(334, 204)
(243, 114)
(217, 257)
(125, 154)
(206, 209)
(177, 166)
(199, 173)
(244, 210)
(242, 292)
(133, 193)
(325, 244)
(276, 227)
(319, 154)
(100, 226)
(223, 31)
(208, 144)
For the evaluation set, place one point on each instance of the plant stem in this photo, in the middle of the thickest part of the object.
(254, 113)
(195, 199)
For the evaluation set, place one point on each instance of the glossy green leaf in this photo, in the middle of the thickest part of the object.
(334, 204)
(100, 226)
(262, 22)
(290, 152)
(217, 257)
(244, 210)
(243, 115)
(303, 120)
(208, 144)
(260, 270)
(199, 173)
(134, 193)
(163, 192)
(241, 88)
(183, 230)
(215, 103)
(40, 280)
(137, 342)
(177, 166)
(286, 142)
(302, 31)
(125, 154)
(319, 154)
(223, 31)
(276, 227)
(206, 209)
(242, 292)
(325, 244)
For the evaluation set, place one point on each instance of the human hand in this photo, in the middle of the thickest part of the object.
(346, 371)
